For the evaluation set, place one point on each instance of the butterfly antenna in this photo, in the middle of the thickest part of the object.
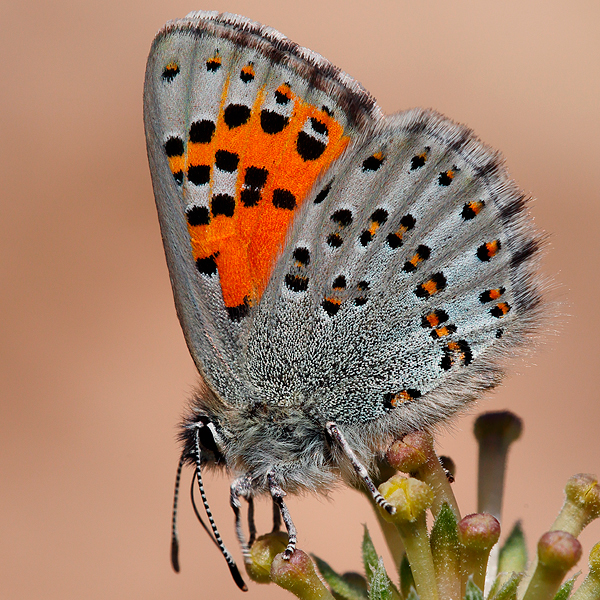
(235, 573)
(174, 534)
(197, 513)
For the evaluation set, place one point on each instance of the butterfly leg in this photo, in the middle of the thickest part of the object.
(360, 469)
(251, 523)
(240, 488)
(276, 518)
(278, 494)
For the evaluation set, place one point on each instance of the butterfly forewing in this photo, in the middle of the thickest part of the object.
(240, 124)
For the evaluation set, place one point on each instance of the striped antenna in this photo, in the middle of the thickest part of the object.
(174, 534)
(235, 573)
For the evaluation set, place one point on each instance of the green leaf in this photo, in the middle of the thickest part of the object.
(381, 587)
(444, 533)
(506, 590)
(340, 586)
(513, 555)
(473, 592)
(566, 588)
(407, 581)
(369, 555)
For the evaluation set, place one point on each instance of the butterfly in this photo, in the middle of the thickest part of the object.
(341, 277)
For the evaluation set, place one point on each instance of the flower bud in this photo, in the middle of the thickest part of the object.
(410, 497)
(582, 504)
(558, 551)
(262, 553)
(298, 575)
(478, 532)
(416, 455)
(405, 456)
(477, 535)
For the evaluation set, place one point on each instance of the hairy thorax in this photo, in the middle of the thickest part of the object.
(259, 439)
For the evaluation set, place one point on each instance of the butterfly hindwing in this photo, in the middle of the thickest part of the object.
(411, 261)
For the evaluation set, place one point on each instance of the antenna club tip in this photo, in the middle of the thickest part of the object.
(175, 555)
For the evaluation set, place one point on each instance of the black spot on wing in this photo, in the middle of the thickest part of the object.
(236, 115)
(201, 132)
(309, 147)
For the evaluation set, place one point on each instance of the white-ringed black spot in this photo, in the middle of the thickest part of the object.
(342, 217)
(302, 255)
(246, 75)
(365, 238)
(272, 122)
(445, 178)
(281, 98)
(199, 174)
(471, 210)
(174, 146)
(416, 162)
(319, 126)
(201, 132)
(379, 216)
(408, 222)
(335, 240)
(487, 251)
(330, 306)
(309, 147)
(226, 161)
(339, 283)
(222, 204)
(213, 65)
(363, 288)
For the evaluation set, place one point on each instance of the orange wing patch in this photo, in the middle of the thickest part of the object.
(260, 165)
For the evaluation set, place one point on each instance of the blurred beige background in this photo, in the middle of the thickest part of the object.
(94, 368)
